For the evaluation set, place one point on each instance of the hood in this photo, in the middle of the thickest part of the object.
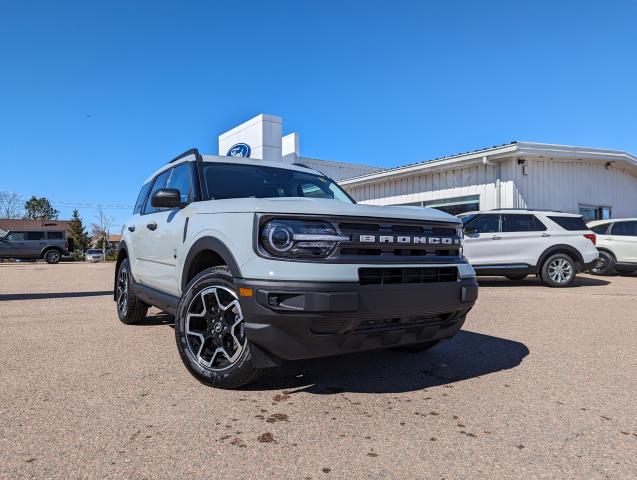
(320, 206)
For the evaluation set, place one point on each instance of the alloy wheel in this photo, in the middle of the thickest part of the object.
(214, 328)
(122, 291)
(52, 256)
(560, 271)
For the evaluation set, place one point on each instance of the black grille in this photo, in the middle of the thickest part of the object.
(326, 326)
(385, 276)
(400, 323)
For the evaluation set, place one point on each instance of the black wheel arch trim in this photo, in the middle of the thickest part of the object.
(553, 249)
(606, 250)
(212, 244)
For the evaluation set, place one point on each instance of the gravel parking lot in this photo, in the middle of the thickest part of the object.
(541, 383)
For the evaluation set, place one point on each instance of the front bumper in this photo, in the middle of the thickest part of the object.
(297, 320)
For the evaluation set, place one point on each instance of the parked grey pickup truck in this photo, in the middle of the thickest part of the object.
(49, 245)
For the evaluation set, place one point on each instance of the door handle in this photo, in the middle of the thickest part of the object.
(131, 228)
(152, 226)
(609, 239)
(546, 235)
(496, 238)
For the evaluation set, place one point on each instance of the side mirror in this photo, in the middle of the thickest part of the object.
(167, 198)
(470, 230)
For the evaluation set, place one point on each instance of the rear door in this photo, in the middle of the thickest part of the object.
(34, 243)
(482, 237)
(524, 238)
(623, 241)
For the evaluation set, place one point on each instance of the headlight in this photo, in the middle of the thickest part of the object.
(299, 238)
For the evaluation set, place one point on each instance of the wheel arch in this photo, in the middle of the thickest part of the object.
(607, 250)
(561, 248)
(204, 253)
(48, 248)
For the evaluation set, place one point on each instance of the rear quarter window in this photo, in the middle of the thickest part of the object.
(570, 223)
(55, 235)
(600, 229)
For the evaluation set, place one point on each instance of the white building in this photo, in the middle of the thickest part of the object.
(595, 182)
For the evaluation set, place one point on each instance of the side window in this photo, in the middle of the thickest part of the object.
(139, 204)
(521, 223)
(15, 236)
(35, 235)
(624, 229)
(489, 223)
(55, 235)
(160, 182)
(181, 179)
(600, 229)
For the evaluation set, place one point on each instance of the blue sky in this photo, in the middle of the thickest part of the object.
(96, 95)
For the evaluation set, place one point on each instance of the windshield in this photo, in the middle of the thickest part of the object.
(94, 252)
(228, 180)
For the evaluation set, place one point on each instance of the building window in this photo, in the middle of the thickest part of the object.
(592, 212)
(454, 205)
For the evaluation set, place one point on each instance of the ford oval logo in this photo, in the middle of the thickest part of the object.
(239, 150)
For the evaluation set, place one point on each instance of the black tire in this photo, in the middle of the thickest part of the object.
(516, 276)
(52, 256)
(416, 347)
(605, 265)
(130, 309)
(216, 325)
(558, 271)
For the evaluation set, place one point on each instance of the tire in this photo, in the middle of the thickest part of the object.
(516, 276)
(52, 256)
(605, 265)
(558, 271)
(209, 331)
(416, 347)
(130, 309)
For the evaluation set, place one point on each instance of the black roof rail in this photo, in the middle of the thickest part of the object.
(527, 209)
(192, 151)
(302, 165)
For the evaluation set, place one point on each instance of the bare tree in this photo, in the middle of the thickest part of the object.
(10, 205)
(101, 229)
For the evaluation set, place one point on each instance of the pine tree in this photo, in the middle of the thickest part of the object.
(78, 233)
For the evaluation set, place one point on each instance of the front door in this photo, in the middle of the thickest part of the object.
(13, 245)
(482, 238)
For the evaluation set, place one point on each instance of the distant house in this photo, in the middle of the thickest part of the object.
(113, 241)
(22, 224)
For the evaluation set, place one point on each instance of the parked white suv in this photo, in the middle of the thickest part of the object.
(261, 261)
(515, 243)
(617, 245)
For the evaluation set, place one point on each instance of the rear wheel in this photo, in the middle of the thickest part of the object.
(210, 334)
(52, 256)
(130, 309)
(605, 265)
(516, 276)
(558, 270)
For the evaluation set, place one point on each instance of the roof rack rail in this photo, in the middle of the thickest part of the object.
(192, 151)
(527, 209)
(302, 165)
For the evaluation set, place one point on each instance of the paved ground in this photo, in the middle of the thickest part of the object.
(540, 384)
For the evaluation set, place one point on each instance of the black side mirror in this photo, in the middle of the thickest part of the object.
(470, 230)
(167, 198)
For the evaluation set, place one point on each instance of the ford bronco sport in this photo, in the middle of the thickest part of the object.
(261, 261)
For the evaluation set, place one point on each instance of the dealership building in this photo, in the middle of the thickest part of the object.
(595, 182)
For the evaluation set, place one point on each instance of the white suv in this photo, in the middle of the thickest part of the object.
(260, 261)
(617, 245)
(515, 243)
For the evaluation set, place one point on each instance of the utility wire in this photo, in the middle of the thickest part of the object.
(68, 204)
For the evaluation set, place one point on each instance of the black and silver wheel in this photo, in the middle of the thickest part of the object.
(129, 308)
(516, 276)
(605, 265)
(558, 270)
(52, 256)
(210, 334)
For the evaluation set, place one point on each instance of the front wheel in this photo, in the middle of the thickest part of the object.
(605, 265)
(558, 270)
(210, 334)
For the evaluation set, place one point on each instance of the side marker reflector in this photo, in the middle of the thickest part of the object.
(245, 292)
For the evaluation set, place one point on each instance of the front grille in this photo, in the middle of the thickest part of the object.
(326, 326)
(386, 276)
(401, 323)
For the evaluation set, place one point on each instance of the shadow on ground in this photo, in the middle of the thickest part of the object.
(40, 296)
(467, 355)
(532, 281)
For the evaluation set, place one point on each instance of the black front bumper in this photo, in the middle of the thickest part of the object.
(297, 320)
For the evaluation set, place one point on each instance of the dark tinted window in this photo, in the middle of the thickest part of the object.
(600, 229)
(225, 180)
(570, 223)
(180, 179)
(139, 204)
(35, 235)
(160, 182)
(484, 224)
(55, 235)
(521, 223)
(15, 236)
(625, 229)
